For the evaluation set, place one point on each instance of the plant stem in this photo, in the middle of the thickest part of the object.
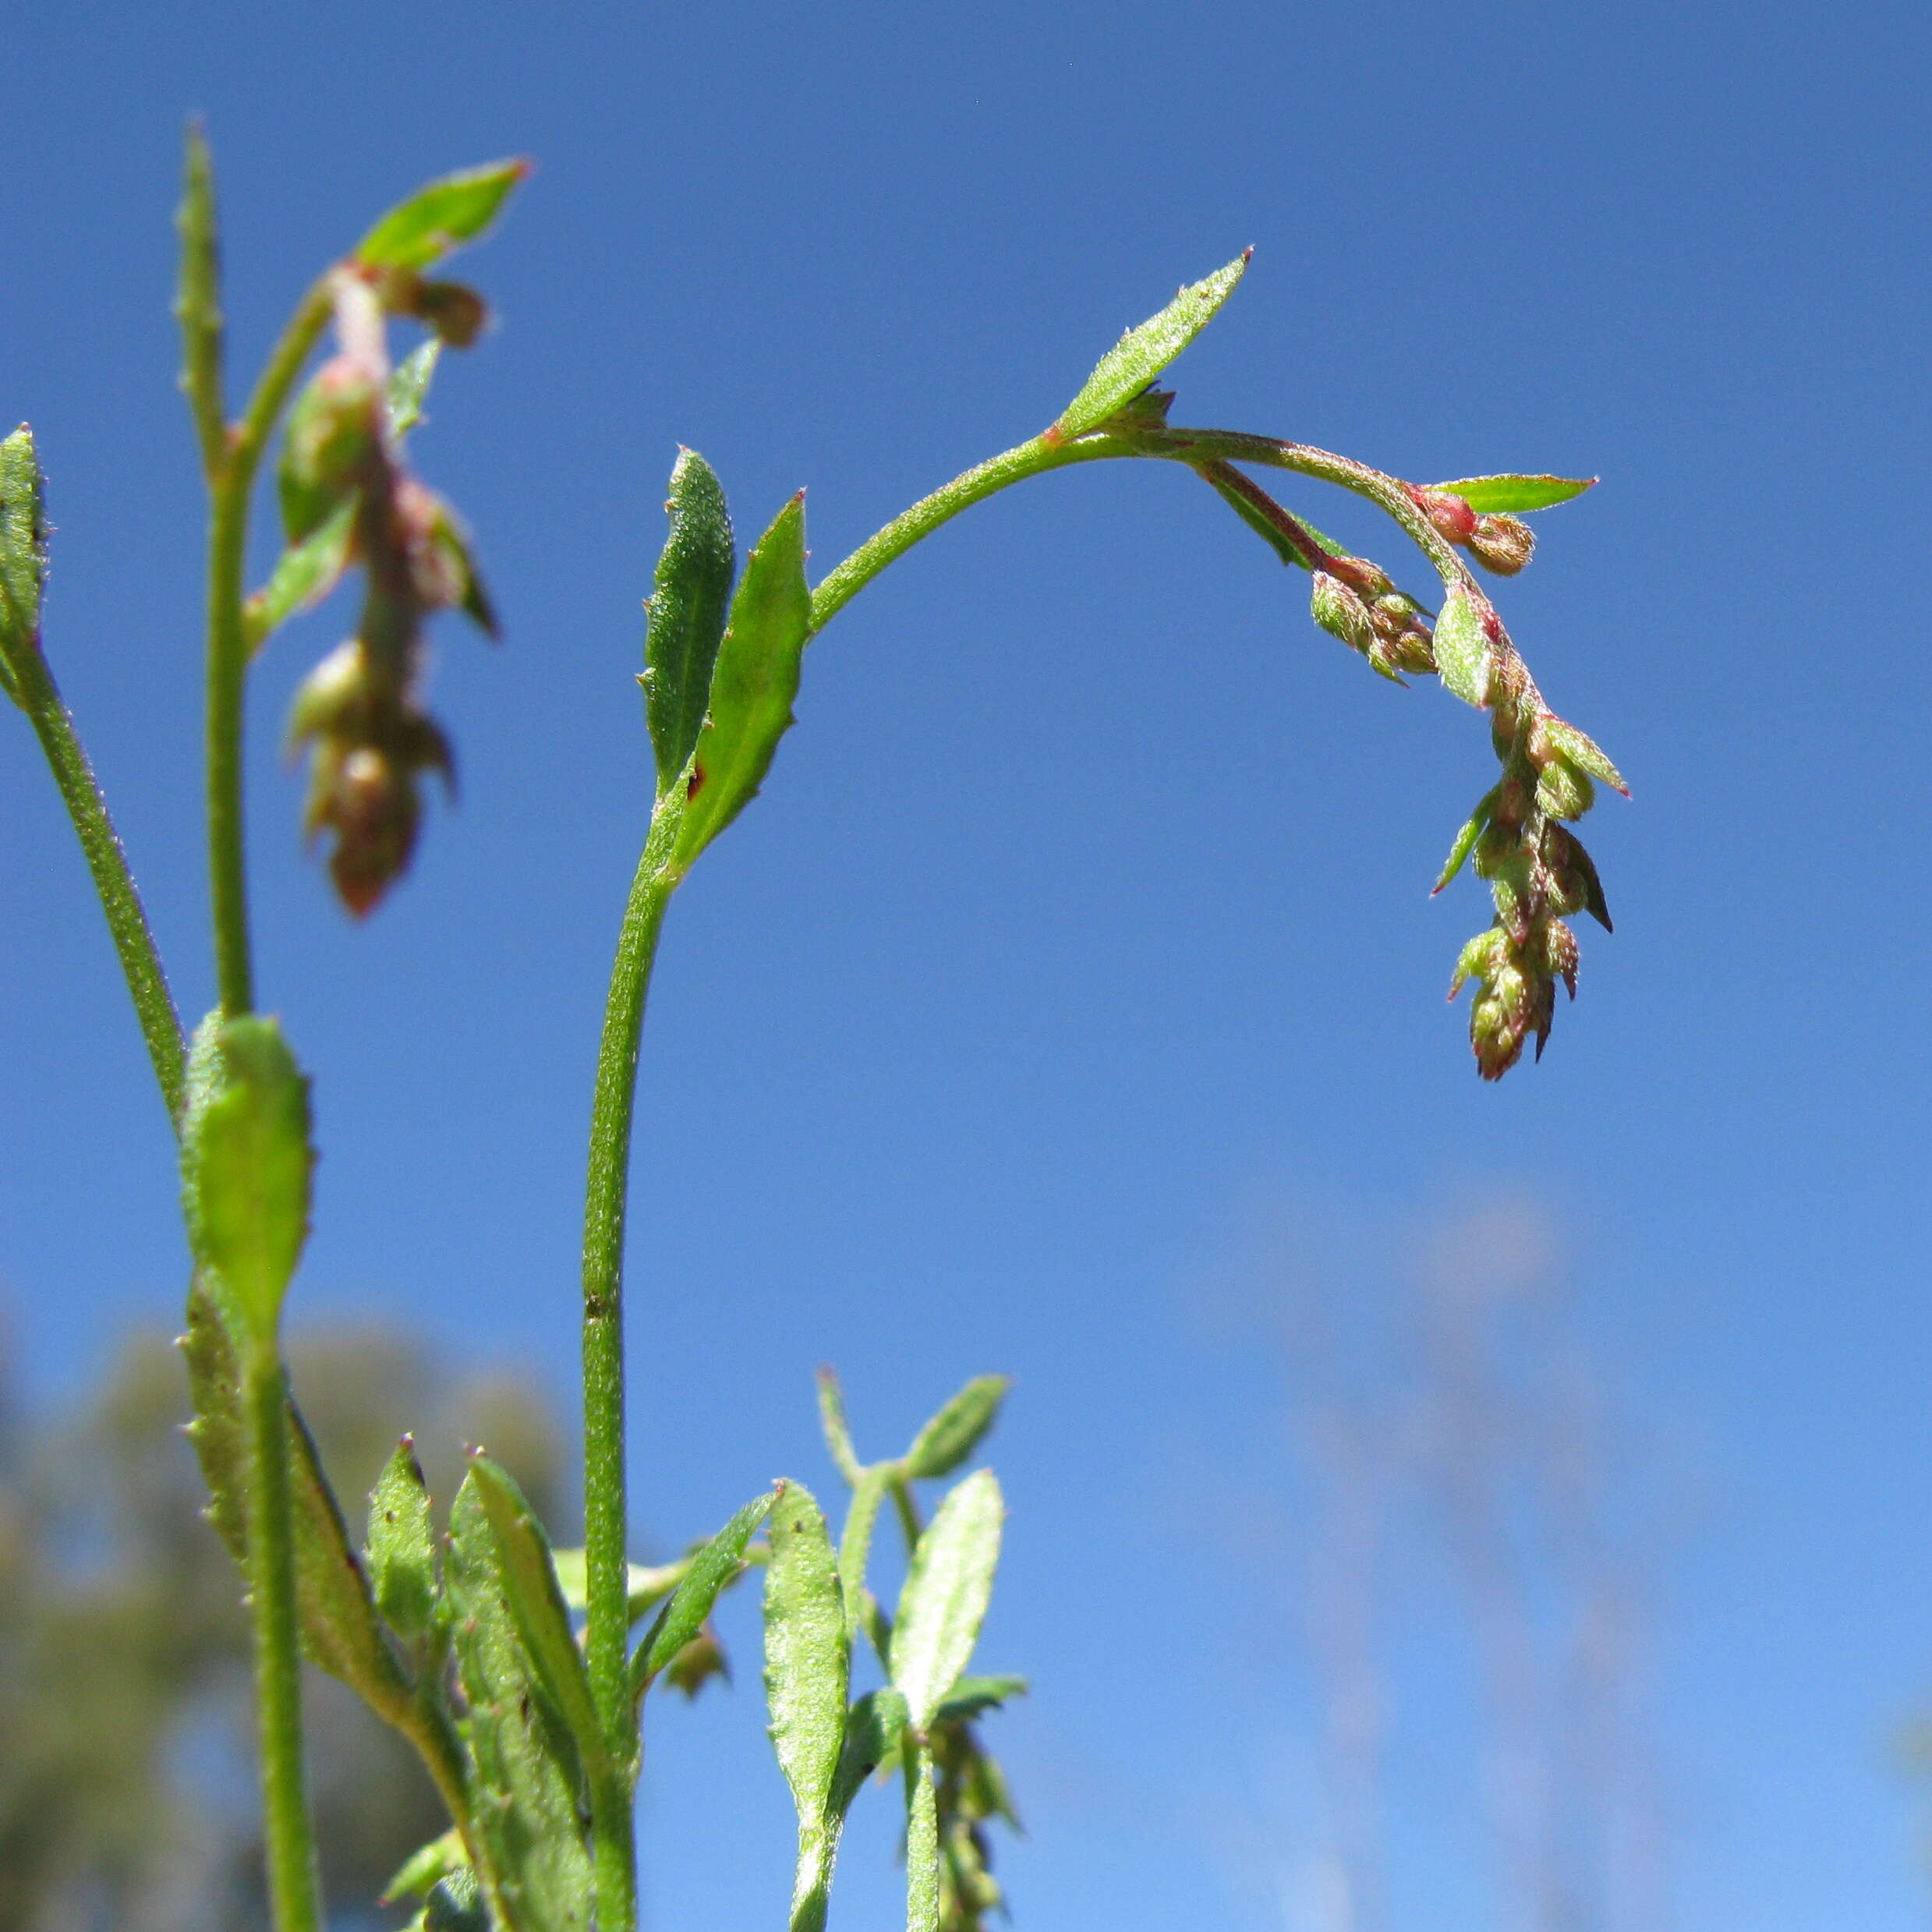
(605, 1521)
(113, 881)
(292, 1880)
(229, 491)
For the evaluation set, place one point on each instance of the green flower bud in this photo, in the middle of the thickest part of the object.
(1479, 958)
(335, 427)
(1563, 791)
(1340, 612)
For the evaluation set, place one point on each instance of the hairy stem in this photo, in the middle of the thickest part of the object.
(606, 1522)
(232, 484)
(292, 1880)
(113, 881)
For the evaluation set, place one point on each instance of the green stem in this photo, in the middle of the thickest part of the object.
(291, 1879)
(229, 492)
(113, 881)
(605, 1521)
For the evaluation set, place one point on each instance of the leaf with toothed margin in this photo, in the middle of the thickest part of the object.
(1466, 839)
(1584, 752)
(718, 1564)
(1462, 648)
(439, 216)
(1488, 496)
(754, 681)
(1142, 353)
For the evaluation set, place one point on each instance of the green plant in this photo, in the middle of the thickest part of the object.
(516, 1672)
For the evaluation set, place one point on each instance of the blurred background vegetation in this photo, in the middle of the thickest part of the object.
(125, 1794)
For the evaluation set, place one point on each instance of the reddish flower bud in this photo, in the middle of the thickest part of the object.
(1502, 544)
(1452, 516)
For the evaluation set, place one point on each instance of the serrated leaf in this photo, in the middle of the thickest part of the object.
(23, 553)
(409, 383)
(974, 1697)
(528, 1582)
(714, 1566)
(1466, 839)
(304, 574)
(1463, 649)
(686, 613)
(1489, 495)
(946, 1595)
(1583, 751)
(873, 1731)
(754, 681)
(1142, 353)
(958, 1430)
(528, 1786)
(400, 1551)
(339, 1628)
(439, 217)
(922, 1842)
(244, 1164)
(856, 1541)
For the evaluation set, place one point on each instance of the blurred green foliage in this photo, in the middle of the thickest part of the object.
(126, 1797)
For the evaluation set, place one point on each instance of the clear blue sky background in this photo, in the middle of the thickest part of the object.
(1087, 908)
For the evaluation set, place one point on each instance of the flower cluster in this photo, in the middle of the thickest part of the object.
(347, 494)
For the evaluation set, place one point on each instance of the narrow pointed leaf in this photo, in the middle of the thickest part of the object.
(718, 1563)
(946, 1595)
(1466, 839)
(409, 383)
(1142, 353)
(22, 554)
(1462, 650)
(958, 1429)
(856, 1542)
(974, 1697)
(922, 1843)
(838, 1433)
(754, 681)
(439, 217)
(245, 1163)
(1489, 495)
(649, 1584)
(304, 574)
(873, 1732)
(529, 1583)
(401, 1549)
(1584, 752)
(686, 614)
(198, 301)
(807, 1661)
(427, 1866)
(524, 1759)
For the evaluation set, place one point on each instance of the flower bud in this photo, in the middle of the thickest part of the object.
(1560, 952)
(1498, 1041)
(1502, 544)
(1563, 791)
(374, 811)
(1340, 612)
(1479, 958)
(453, 310)
(1452, 516)
(334, 426)
(700, 1660)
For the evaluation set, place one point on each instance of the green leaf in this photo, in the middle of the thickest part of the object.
(401, 1548)
(946, 1595)
(428, 1866)
(1142, 353)
(754, 681)
(958, 1430)
(447, 532)
(439, 217)
(874, 1730)
(685, 617)
(244, 1164)
(922, 1842)
(1583, 751)
(855, 1544)
(455, 1904)
(717, 1564)
(1466, 839)
(1594, 903)
(1488, 495)
(838, 1434)
(650, 1583)
(340, 1630)
(409, 383)
(22, 554)
(1251, 515)
(198, 300)
(1462, 648)
(528, 1581)
(974, 1697)
(304, 574)
(526, 1778)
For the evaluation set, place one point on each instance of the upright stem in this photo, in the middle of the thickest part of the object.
(293, 1890)
(606, 1520)
(230, 487)
(113, 881)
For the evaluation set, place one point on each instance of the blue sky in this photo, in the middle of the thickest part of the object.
(1083, 922)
